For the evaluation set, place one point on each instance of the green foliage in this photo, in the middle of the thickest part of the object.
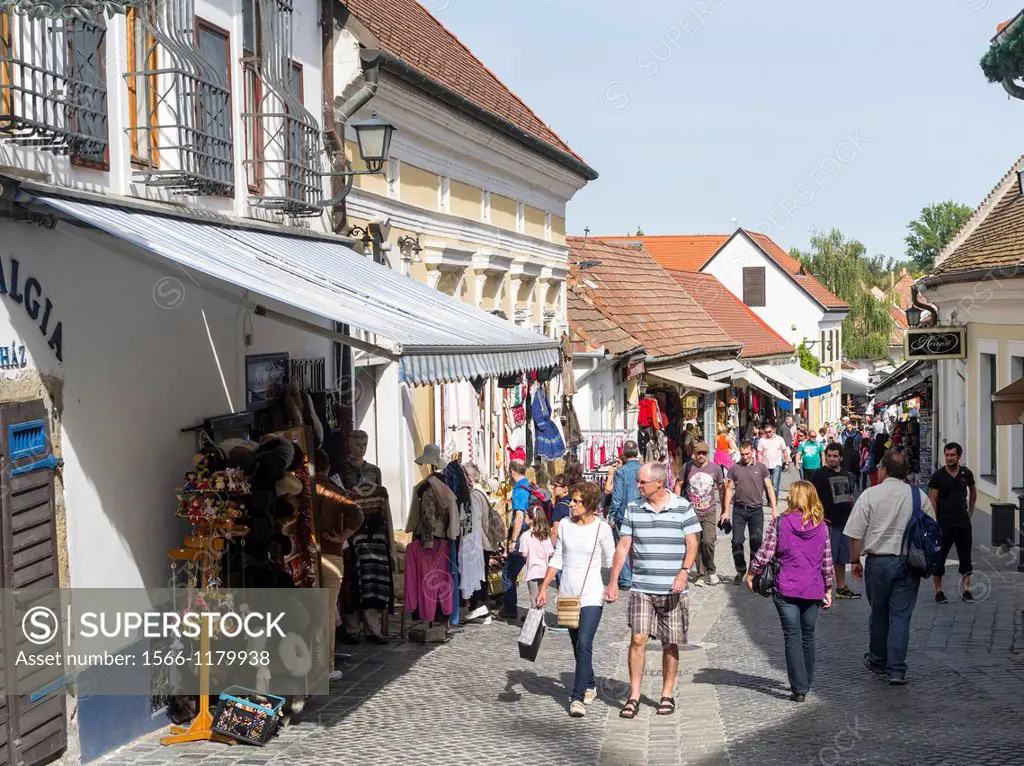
(1005, 59)
(844, 268)
(639, 232)
(933, 230)
(808, 359)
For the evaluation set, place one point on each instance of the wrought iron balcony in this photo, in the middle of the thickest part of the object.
(283, 139)
(179, 79)
(53, 93)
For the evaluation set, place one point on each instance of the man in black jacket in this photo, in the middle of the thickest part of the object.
(837, 489)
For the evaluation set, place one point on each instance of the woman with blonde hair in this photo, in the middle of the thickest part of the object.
(799, 541)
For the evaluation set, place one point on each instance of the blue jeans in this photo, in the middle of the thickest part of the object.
(892, 594)
(776, 480)
(510, 600)
(626, 575)
(798, 616)
(744, 518)
(583, 648)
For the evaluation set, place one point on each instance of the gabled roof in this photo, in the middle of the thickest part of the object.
(408, 31)
(733, 316)
(899, 327)
(994, 238)
(634, 293)
(692, 252)
(590, 329)
(900, 292)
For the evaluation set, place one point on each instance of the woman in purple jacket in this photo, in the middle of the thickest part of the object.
(799, 540)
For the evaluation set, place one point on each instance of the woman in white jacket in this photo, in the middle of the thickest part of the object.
(582, 548)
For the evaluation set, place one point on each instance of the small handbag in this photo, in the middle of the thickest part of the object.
(767, 580)
(569, 606)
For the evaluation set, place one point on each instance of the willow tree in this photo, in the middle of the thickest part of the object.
(842, 265)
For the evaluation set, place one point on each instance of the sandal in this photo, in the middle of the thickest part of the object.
(667, 706)
(630, 709)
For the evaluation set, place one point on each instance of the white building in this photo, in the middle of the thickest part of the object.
(164, 217)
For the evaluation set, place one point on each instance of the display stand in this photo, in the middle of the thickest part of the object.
(196, 548)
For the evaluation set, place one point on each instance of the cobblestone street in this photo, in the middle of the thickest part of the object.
(473, 700)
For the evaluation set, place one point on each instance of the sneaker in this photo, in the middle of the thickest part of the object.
(897, 681)
(940, 598)
(480, 611)
(589, 696)
(795, 697)
(336, 675)
(845, 592)
(737, 580)
(872, 666)
(968, 597)
(713, 579)
(699, 582)
(577, 709)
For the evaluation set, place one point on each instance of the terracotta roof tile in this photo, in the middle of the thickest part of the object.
(733, 316)
(633, 292)
(776, 253)
(901, 290)
(899, 329)
(407, 30)
(996, 241)
(819, 292)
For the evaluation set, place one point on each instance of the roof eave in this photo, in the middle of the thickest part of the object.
(414, 77)
(970, 275)
(733, 350)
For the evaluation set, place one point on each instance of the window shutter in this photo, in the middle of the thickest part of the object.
(753, 285)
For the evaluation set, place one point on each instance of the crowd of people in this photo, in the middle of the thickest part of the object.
(658, 540)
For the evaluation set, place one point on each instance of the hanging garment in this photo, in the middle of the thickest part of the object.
(604, 450)
(591, 457)
(434, 512)
(372, 551)
(645, 417)
(548, 442)
(472, 570)
(455, 479)
(428, 581)
(568, 376)
(571, 423)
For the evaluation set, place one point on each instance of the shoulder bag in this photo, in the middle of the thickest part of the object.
(569, 606)
(767, 580)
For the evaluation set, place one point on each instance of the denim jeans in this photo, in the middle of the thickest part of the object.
(626, 575)
(798, 616)
(892, 593)
(743, 519)
(513, 566)
(776, 480)
(583, 648)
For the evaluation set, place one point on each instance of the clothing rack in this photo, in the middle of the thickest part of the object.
(310, 374)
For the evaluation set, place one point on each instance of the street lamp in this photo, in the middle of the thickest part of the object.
(374, 139)
(913, 316)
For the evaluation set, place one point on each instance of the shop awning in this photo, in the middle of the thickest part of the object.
(855, 386)
(756, 381)
(687, 380)
(905, 383)
(434, 337)
(717, 370)
(803, 384)
(1010, 404)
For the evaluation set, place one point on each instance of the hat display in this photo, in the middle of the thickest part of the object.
(431, 456)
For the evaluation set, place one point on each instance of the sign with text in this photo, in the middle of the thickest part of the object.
(936, 343)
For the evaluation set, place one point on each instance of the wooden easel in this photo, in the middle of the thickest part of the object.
(200, 729)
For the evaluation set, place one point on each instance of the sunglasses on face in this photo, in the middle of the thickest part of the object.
(645, 482)
(702, 453)
(577, 501)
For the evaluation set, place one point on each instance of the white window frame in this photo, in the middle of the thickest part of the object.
(1015, 350)
(395, 179)
(521, 217)
(547, 227)
(485, 207)
(985, 346)
(444, 193)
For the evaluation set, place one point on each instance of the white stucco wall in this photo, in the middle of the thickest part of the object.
(788, 310)
(598, 400)
(133, 375)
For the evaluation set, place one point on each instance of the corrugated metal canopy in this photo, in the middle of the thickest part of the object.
(755, 380)
(436, 338)
(688, 381)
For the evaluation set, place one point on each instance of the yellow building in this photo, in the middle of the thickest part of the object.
(978, 284)
(472, 203)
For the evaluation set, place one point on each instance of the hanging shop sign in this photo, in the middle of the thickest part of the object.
(636, 367)
(28, 292)
(936, 343)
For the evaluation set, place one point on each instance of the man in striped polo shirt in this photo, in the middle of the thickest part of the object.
(660, 534)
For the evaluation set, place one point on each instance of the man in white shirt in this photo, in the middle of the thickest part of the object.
(876, 526)
(879, 426)
(773, 451)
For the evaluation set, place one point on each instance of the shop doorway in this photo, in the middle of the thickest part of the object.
(30, 732)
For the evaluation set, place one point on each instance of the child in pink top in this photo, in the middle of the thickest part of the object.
(536, 546)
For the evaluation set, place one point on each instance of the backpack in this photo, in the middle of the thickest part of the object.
(495, 526)
(538, 498)
(922, 541)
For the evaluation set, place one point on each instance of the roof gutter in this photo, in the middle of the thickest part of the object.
(443, 93)
(974, 275)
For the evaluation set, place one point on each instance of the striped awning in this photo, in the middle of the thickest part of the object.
(434, 337)
(802, 383)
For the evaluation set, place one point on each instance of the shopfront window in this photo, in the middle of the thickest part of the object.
(989, 456)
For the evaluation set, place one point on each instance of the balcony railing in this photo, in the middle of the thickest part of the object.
(53, 93)
(286, 165)
(187, 117)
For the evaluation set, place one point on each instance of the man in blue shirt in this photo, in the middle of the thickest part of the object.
(516, 561)
(626, 490)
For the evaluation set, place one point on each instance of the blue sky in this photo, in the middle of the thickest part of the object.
(787, 116)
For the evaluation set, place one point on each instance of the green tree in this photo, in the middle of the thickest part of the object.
(843, 266)
(808, 359)
(933, 230)
(639, 232)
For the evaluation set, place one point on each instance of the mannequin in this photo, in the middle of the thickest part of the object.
(372, 542)
(357, 470)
